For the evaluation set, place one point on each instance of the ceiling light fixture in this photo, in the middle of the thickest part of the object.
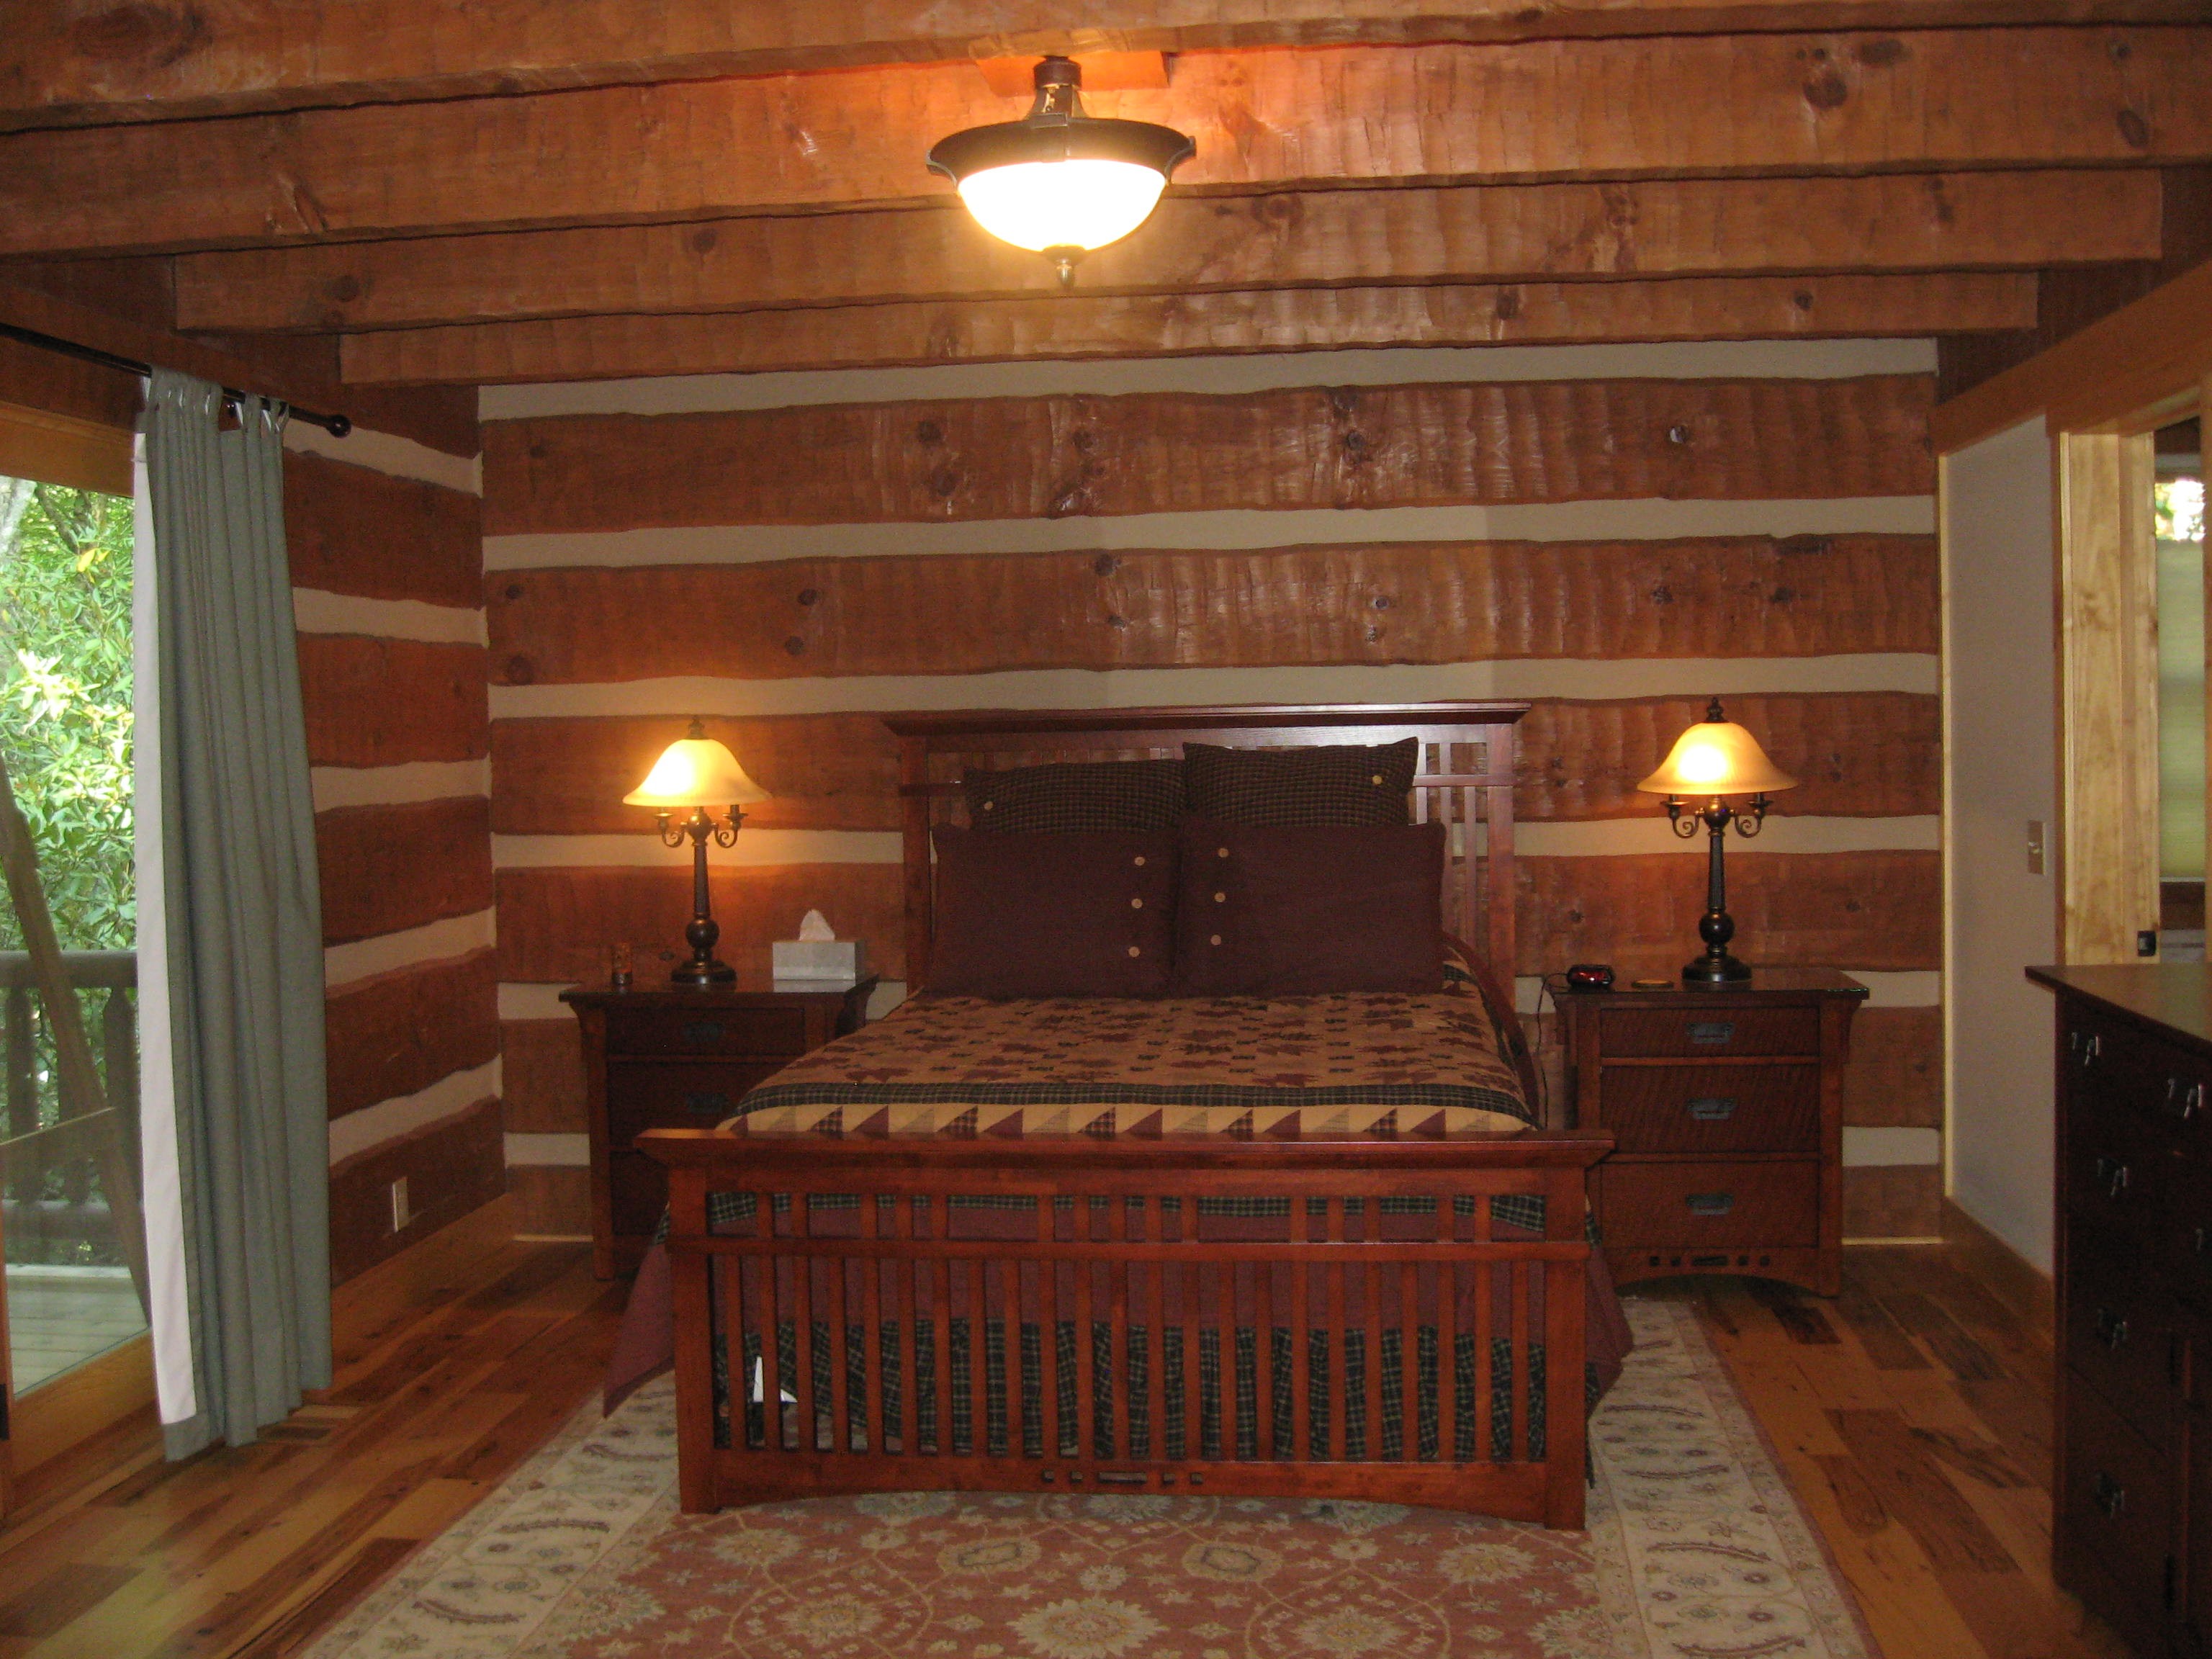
(1059, 182)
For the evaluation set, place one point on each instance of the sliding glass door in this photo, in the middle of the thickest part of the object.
(75, 1306)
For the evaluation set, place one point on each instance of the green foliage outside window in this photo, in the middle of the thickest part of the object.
(65, 727)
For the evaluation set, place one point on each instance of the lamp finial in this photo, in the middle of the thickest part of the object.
(1713, 711)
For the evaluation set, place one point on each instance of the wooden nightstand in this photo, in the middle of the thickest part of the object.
(682, 1060)
(1726, 1107)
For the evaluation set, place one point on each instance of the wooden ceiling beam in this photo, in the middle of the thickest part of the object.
(1167, 325)
(1674, 227)
(68, 63)
(1529, 113)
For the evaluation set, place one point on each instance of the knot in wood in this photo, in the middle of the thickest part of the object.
(1069, 501)
(2133, 128)
(346, 288)
(1826, 90)
(514, 590)
(929, 432)
(520, 670)
(1118, 622)
(1881, 53)
(1084, 438)
(1678, 434)
(1509, 304)
(1104, 565)
(703, 239)
(796, 645)
(1342, 401)
(808, 596)
(1356, 442)
(943, 481)
(1782, 595)
(1382, 602)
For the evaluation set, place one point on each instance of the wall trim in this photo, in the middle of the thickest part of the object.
(2025, 1290)
(365, 1309)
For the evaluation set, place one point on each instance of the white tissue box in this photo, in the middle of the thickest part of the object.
(844, 959)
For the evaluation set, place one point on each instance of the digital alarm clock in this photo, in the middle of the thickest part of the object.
(1591, 976)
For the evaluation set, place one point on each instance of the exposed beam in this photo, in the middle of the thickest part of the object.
(1164, 326)
(1546, 110)
(68, 63)
(1667, 227)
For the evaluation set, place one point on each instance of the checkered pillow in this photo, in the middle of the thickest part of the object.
(1329, 785)
(1071, 796)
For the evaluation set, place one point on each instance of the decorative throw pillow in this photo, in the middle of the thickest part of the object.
(1054, 915)
(1328, 784)
(1288, 911)
(1068, 797)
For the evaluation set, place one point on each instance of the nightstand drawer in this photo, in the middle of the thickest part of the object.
(767, 1033)
(1712, 1109)
(1710, 1205)
(677, 1095)
(1707, 1034)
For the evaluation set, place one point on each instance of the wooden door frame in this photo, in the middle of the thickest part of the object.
(2102, 394)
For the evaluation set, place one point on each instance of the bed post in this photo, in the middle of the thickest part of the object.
(914, 792)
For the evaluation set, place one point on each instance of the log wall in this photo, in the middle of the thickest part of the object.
(1616, 533)
(387, 554)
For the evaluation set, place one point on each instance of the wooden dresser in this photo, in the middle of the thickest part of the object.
(682, 1060)
(1726, 1110)
(2132, 1504)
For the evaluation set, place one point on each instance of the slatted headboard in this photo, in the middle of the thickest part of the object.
(1464, 779)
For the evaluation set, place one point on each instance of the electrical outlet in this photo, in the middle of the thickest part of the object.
(2146, 942)
(2035, 847)
(402, 1211)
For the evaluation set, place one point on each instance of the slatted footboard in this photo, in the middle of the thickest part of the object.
(1299, 1319)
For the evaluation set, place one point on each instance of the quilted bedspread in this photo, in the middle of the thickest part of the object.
(1349, 1066)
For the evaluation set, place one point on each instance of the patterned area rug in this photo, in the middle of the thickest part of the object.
(1696, 1550)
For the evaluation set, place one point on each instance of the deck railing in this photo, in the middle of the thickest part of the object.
(52, 1207)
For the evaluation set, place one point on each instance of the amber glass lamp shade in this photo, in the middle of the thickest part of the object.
(1717, 758)
(695, 771)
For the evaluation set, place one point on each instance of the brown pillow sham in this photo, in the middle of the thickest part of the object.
(1068, 797)
(1054, 915)
(1328, 784)
(1267, 910)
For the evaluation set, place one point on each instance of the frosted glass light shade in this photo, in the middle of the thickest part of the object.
(1078, 202)
(695, 772)
(1717, 758)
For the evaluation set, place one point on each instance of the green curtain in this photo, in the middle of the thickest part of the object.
(243, 916)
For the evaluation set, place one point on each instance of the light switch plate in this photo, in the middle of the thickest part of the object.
(402, 1210)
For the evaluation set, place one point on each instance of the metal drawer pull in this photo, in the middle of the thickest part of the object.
(703, 1030)
(714, 1101)
(2085, 1045)
(1712, 1109)
(2113, 1175)
(1710, 1203)
(1712, 1031)
(2108, 1495)
(2111, 1329)
(2183, 1100)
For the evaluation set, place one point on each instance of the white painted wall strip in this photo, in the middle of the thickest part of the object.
(1651, 520)
(1608, 837)
(549, 1152)
(371, 1127)
(1891, 1148)
(314, 612)
(396, 786)
(381, 452)
(455, 936)
(680, 394)
(1613, 837)
(1144, 688)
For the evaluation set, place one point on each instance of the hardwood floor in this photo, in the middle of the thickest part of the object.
(1912, 1414)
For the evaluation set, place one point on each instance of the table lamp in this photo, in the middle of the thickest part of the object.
(698, 772)
(1715, 758)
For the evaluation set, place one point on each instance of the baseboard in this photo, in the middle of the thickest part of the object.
(375, 1299)
(2024, 1289)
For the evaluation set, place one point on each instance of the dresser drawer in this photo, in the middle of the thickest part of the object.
(677, 1094)
(1699, 1034)
(1713, 1108)
(2115, 1504)
(2120, 1327)
(767, 1033)
(2115, 1171)
(1712, 1205)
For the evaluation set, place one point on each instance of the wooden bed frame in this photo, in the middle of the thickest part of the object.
(1384, 1242)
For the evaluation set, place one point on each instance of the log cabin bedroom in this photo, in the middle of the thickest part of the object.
(1147, 832)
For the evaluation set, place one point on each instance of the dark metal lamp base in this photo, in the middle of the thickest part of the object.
(701, 975)
(1716, 970)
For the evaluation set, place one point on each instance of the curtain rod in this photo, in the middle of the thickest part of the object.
(337, 425)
